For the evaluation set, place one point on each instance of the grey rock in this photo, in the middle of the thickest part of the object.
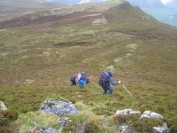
(161, 129)
(127, 112)
(2, 106)
(125, 129)
(151, 115)
(58, 107)
(47, 130)
(63, 121)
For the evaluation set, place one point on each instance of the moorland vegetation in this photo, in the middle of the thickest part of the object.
(39, 52)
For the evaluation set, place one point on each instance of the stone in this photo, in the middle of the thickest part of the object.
(151, 115)
(47, 130)
(2, 106)
(63, 121)
(161, 129)
(127, 112)
(59, 107)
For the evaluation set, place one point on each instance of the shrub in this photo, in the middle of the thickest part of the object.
(9, 114)
(5, 130)
(120, 119)
(4, 122)
(70, 127)
(91, 127)
(173, 129)
(146, 125)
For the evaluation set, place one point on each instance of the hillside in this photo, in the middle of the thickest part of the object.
(39, 52)
(15, 8)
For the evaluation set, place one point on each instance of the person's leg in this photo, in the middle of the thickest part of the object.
(105, 90)
(72, 83)
(111, 89)
(81, 85)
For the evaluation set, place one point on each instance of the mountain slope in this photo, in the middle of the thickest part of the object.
(40, 51)
(13, 8)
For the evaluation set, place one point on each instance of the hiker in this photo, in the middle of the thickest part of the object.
(73, 79)
(105, 80)
(83, 79)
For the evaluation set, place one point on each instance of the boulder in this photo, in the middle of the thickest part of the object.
(151, 115)
(161, 129)
(58, 107)
(127, 112)
(2, 106)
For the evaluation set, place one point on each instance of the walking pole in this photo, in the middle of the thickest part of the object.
(127, 90)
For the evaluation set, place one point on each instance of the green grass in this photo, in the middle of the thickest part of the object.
(37, 61)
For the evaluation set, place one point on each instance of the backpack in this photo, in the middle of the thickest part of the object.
(87, 81)
(83, 76)
(72, 78)
(104, 78)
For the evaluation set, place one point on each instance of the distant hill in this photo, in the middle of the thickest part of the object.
(14, 8)
(71, 2)
(147, 3)
(158, 10)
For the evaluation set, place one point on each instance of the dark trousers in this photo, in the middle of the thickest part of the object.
(108, 88)
(73, 83)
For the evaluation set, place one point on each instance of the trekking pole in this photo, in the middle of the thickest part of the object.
(126, 90)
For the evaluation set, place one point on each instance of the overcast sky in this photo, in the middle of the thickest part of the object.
(163, 1)
(166, 1)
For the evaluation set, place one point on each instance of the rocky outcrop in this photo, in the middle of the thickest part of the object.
(147, 114)
(59, 107)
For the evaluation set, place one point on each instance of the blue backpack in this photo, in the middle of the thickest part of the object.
(104, 78)
(83, 76)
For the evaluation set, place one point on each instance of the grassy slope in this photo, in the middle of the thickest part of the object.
(18, 8)
(141, 51)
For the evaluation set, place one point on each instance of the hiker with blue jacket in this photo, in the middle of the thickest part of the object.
(83, 79)
(105, 80)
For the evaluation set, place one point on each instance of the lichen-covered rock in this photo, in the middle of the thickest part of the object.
(58, 107)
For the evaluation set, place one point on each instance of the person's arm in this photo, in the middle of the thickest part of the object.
(112, 81)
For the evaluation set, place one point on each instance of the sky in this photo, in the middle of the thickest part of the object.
(163, 1)
(166, 1)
